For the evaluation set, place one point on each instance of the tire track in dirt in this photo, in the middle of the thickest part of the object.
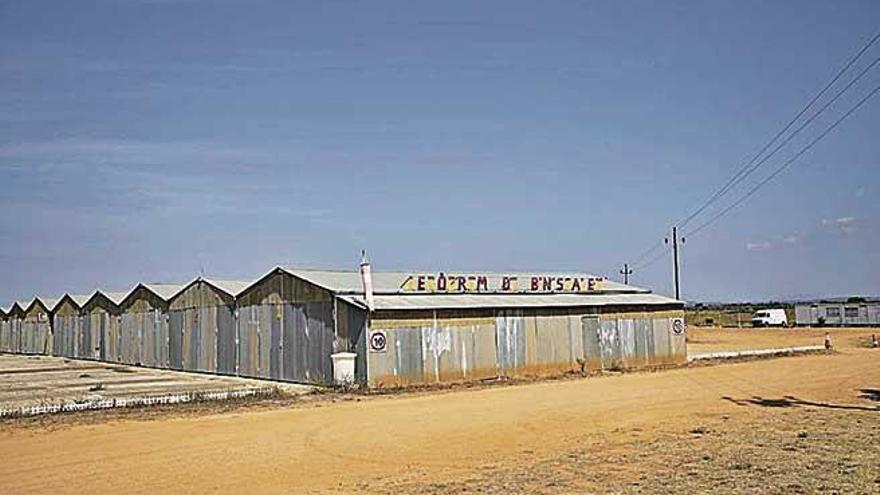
(431, 436)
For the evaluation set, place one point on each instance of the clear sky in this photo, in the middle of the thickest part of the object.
(150, 140)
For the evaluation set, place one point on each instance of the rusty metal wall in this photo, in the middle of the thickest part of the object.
(226, 340)
(65, 329)
(36, 336)
(144, 338)
(175, 340)
(99, 336)
(16, 334)
(637, 340)
(286, 331)
(249, 335)
(202, 330)
(511, 341)
(291, 341)
(202, 339)
(5, 335)
(131, 343)
(426, 347)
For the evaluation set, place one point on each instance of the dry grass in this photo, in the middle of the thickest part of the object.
(786, 448)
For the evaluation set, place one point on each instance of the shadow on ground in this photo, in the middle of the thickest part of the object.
(789, 401)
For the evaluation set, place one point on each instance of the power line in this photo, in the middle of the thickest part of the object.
(653, 260)
(754, 163)
(785, 165)
(806, 123)
(745, 169)
(648, 251)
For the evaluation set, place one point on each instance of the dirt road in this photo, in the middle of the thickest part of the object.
(432, 440)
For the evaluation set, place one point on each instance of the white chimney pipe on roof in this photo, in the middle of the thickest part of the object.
(367, 280)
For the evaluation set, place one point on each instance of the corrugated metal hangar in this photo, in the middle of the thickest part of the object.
(401, 328)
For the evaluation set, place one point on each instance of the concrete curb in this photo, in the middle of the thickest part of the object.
(780, 351)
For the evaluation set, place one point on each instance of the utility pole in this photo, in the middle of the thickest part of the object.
(675, 264)
(626, 272)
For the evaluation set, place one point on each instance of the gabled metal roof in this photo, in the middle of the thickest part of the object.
(13, 307)
(114, 297)
(79, 300)
(163, 291)
(47, 302)
(231, 287)
(478, 301)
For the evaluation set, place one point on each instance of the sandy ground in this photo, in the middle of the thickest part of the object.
(36, 380)
(707, 339)
(800, 424)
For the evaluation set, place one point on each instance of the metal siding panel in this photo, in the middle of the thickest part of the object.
(57, 339)
(406, 344)
(191, 339)
(357, 326)
(641, 333)
(242, 325)
(102, 340)
(294, 347)
(264, 339)
(243, 350)
(510, 341)
(175, 339)
(275, 340)
(163, 343)
(590, 327)
(609, 344)
(85, 334)
(320, 317)
(442, 342)
(226, 362)
(627, 339)
(4, 336)
(663, 341)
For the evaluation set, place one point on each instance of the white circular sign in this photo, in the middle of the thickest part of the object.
(378, 341)
(678, 326)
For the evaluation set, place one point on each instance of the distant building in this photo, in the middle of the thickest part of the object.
(852, 313)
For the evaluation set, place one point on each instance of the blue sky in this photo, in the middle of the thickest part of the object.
(150, 140)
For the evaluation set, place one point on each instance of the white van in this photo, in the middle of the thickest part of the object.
(769, 318)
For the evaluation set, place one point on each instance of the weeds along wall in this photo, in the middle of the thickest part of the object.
(453, 345)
